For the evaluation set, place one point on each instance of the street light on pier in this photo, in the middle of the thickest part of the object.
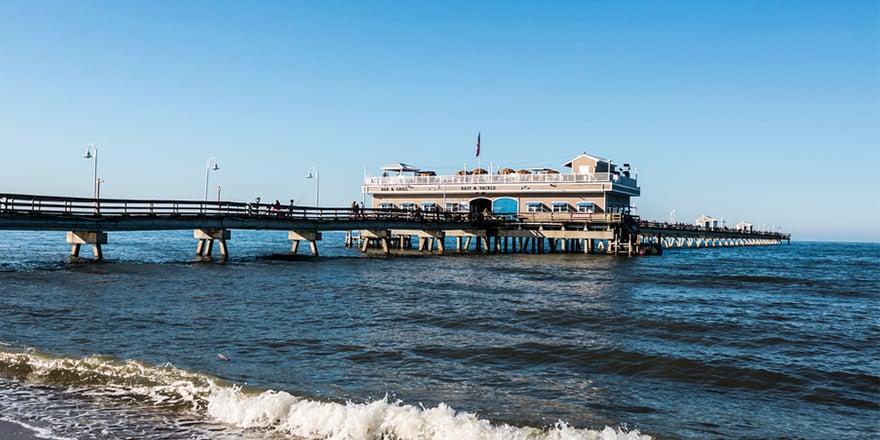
(89, 155)
(313, 173)
(212, 165)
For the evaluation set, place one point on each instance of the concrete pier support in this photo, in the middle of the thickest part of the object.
(429, 239)
(206, 239)
(381, 235)
(350, 238)
(463, 238)
(94, 238)
(311, 236)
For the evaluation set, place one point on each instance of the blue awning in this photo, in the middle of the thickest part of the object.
(386, 205)
(534, 203)
(428, 204)
(560, 203)
(585, 203)
(407, 205)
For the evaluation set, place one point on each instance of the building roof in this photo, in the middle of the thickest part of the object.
(597, 159)
(400, 167)
(542, 171)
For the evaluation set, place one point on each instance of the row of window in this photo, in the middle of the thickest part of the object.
(582, 207)
(450, 206)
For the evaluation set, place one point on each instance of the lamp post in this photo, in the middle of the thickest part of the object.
(89, 155)
(212, 165)
(313, 173)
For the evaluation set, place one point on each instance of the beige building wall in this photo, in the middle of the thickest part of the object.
(587, 181)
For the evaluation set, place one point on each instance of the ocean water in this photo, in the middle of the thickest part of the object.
(734, 343)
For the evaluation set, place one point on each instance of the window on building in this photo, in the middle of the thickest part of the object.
(505, 205)
(586, 207)
(560, 207)
(535, 206)
(386, 205)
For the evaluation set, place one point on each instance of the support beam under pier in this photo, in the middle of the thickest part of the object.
(381, 235)
(311, 236)
(94, 238)
(206, 239)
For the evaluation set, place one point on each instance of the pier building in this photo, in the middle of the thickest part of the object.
(591, 186)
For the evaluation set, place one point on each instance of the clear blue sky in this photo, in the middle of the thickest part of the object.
(764, 111)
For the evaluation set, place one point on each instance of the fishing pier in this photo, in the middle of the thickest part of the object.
(89, 221)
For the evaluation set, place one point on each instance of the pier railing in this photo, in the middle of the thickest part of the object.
(34, 205)
(671, 228)
(500, 179)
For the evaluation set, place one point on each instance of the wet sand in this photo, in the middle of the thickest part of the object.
(14, 431)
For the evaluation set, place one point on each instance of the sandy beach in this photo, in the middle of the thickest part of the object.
(14, 431)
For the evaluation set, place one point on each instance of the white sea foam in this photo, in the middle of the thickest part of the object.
(168, 386)
(104, 376)
(379, 420)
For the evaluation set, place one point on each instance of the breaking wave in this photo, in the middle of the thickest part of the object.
(107, 382)
(161, 385)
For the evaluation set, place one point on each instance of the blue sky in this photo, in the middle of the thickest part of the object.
(764, 111)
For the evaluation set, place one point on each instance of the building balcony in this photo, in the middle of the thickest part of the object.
(500, 179)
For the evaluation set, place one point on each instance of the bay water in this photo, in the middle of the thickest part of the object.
(750, 342)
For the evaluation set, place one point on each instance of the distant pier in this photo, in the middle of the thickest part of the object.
(88, 221)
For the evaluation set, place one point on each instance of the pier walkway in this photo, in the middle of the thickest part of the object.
(87, 221)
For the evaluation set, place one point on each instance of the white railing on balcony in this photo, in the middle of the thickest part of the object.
(494, 179)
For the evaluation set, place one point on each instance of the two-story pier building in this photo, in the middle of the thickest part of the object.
(591, 186)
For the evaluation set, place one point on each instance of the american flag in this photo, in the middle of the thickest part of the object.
(478, 144)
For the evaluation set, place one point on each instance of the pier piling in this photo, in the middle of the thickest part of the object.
(206, 239)
(94, 238)
(311, 236)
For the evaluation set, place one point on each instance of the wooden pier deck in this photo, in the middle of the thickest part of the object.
(88, 221)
